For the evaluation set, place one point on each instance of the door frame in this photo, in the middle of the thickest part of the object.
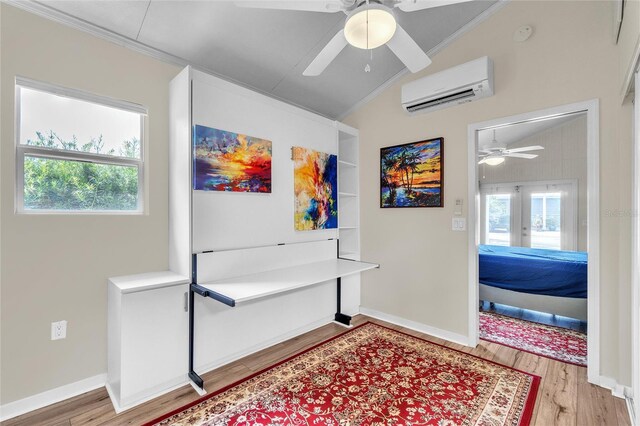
(591, 108)
(635, 254)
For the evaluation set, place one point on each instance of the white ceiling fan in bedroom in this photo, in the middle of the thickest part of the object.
(369, 24)
(495, 153)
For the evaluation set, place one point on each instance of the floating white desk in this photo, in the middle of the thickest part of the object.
(255, 286)
(311, 263)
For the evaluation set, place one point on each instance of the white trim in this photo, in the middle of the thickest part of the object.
(60, 154)
(431, 53)
(635, 254)
(631, 410)
(417, 326)
(634, 65)
(617, 390)
(82, 95)
(31, 403)
(593, 188)
(156, 393)
(47, 12)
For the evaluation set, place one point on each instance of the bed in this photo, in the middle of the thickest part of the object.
(543, 280)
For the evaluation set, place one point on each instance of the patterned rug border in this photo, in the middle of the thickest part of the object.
(527, 412)
(534, 322)
(531, 352)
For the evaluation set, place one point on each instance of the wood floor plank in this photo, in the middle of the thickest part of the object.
(558, 402)
(62, 412)
(622, 412)
(595, 404)
(564, 397)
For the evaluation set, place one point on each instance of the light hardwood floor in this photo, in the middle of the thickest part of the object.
(564, 398)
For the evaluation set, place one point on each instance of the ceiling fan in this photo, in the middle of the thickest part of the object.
(495, 153)
(369, 24)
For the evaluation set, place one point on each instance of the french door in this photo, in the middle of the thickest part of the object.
(530, 214)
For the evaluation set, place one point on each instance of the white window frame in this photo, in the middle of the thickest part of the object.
(569, 223)
(59, 154)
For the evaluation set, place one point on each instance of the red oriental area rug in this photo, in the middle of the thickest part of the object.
(557, 343)
(371, 375)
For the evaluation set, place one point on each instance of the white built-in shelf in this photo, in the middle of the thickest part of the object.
(348, 227)
(347, 163)
(347, 194)
(264, 284)
(348, 253)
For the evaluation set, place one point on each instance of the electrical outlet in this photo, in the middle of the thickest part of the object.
(58, 330)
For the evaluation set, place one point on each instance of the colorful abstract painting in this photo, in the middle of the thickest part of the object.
(226, 161)
(315, 181)
(411, 175)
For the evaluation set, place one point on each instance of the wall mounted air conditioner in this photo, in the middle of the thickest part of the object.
(463, 83)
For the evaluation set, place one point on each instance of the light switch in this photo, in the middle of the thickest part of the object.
(458, 224)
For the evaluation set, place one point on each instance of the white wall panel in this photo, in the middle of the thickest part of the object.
(224, 220)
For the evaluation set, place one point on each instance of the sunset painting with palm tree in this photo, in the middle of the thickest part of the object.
(411, 175)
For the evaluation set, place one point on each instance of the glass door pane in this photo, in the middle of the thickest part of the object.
(498, 219)
(546, 219)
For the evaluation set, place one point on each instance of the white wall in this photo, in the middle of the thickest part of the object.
(564, 157)
(224, 220)
(570, 58)
(55, 267)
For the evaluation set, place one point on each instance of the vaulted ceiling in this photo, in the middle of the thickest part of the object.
(266, 50)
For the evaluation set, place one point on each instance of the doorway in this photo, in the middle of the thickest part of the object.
(535, 212)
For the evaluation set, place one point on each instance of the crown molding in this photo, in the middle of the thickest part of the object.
(47, 12)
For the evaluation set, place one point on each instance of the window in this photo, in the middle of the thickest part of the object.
(546, 220)
(530, 214)
(77, 152)
(498, 217)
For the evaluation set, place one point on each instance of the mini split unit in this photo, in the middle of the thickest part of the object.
(463, 83)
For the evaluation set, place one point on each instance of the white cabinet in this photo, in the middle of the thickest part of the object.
(148, 324)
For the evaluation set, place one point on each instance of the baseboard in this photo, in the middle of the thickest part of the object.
(413, 325)
(31, 403)
(617, 390)
(147, 395)
(631, 410)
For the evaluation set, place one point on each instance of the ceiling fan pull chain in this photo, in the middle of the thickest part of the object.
(367, 67)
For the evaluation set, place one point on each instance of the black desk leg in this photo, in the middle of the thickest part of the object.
(340, 317)
(197, 380)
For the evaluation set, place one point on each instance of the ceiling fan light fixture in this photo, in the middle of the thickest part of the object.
(370, 26)
(494, 161)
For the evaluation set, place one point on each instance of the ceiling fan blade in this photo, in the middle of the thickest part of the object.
(326, 55)
(523, 149)
(484, 160)
(327, 6)
(527, 156)
(413, 5)
(408, 51)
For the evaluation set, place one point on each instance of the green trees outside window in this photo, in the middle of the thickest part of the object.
(62, 184)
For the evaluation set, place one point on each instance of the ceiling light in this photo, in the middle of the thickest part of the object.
(494, 161)
(370, 26)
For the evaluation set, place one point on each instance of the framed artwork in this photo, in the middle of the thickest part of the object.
(412, 175)
(226, 161)
(315, 183)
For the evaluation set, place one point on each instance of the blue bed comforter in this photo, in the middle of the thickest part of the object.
(535, 271)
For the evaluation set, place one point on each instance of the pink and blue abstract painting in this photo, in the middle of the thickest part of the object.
(315, 181)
